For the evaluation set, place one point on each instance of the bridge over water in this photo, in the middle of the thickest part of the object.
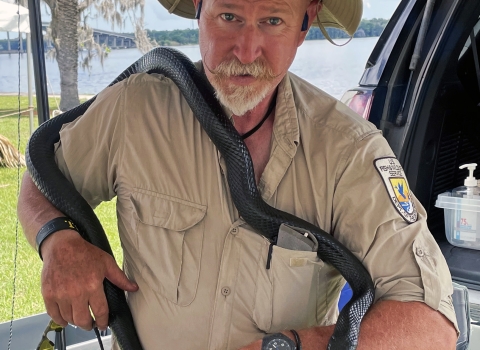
(111, 39)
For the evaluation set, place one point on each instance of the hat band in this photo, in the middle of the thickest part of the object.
(325, 33)
(174, 6)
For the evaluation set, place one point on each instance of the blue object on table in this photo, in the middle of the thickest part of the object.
(345, 296)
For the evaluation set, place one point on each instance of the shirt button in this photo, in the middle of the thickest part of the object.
(420, 252)
(234, 231)
(225, 291)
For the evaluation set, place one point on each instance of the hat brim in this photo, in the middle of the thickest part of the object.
(342, 14)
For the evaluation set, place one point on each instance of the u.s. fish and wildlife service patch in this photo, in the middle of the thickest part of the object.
(394, 179)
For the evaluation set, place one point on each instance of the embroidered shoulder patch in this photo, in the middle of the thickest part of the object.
(394, 179)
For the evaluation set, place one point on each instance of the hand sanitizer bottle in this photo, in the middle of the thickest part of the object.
(470, 188)
(465, 231)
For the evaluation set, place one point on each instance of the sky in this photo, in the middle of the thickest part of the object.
(158, 18)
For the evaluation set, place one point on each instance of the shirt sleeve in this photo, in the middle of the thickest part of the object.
(90, 148)
(401, 256)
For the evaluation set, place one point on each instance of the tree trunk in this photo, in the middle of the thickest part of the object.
(64, 25)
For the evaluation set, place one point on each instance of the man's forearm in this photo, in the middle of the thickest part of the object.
(393, 325)
(33, 210)
(73, 269)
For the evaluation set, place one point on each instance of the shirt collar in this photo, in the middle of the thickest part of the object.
(285, 128)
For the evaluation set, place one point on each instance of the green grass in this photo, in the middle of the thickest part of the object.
(9, 104)
(9, 126)
(28, 300)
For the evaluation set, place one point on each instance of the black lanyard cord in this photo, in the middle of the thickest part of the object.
(259, 125)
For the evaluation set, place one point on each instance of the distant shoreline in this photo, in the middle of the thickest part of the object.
(326, 76)
(6, 52)
(13, 52)
(25, 94)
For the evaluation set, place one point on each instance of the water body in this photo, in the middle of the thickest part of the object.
(333, 69)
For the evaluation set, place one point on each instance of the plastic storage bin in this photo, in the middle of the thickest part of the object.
(462, 220)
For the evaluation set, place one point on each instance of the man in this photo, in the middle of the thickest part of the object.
(200, 271)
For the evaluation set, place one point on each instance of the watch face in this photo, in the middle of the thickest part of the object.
(278, 344)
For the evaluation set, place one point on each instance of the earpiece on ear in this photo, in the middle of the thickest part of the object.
(305, 23)
(199, 9)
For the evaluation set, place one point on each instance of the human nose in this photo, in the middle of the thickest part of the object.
(248, 44)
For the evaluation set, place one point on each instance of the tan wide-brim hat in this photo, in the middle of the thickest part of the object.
(342, 14)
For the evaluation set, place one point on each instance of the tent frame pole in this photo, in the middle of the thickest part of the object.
(29, 77)
(38, 61)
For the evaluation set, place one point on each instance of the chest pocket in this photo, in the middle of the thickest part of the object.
(287, 293)
(170, 239)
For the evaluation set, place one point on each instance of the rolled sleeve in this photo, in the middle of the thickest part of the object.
(402, 258)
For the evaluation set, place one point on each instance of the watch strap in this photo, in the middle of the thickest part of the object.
(57, 224)
(298, 342)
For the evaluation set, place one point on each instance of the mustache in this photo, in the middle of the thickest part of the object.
(258, 69)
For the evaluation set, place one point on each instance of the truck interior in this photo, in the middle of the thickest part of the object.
(431, 115)
(445, 136)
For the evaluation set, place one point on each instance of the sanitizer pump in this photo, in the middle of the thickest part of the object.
(470, 188)
(462, 212)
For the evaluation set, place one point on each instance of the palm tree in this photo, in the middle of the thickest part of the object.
(69, 31)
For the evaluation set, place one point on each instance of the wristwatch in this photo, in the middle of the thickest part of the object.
(278, 341)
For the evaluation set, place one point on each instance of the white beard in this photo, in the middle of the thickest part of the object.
(240, 99)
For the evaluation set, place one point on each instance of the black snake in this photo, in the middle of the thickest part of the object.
(265, 219)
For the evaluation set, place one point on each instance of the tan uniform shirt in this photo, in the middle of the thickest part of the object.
(200, 268)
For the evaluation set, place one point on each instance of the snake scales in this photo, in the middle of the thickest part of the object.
(262, 217)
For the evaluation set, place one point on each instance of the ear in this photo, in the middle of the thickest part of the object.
(313, 8)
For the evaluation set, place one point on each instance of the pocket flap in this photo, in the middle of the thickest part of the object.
(169, 212)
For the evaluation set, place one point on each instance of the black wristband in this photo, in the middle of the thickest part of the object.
(298, 343)
(57, 224)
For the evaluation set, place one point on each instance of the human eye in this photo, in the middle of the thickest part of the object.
(274, 21)
(229, 17)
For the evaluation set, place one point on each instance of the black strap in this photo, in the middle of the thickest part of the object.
(57, 224)
(99, 338)
(259, 125)
(298, 342)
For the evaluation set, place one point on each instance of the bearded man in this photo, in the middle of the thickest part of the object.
(203, 278)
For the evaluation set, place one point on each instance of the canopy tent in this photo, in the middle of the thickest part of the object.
(15, 18)
(9, 19)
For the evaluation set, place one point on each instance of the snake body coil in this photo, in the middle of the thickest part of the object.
(265, 219)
